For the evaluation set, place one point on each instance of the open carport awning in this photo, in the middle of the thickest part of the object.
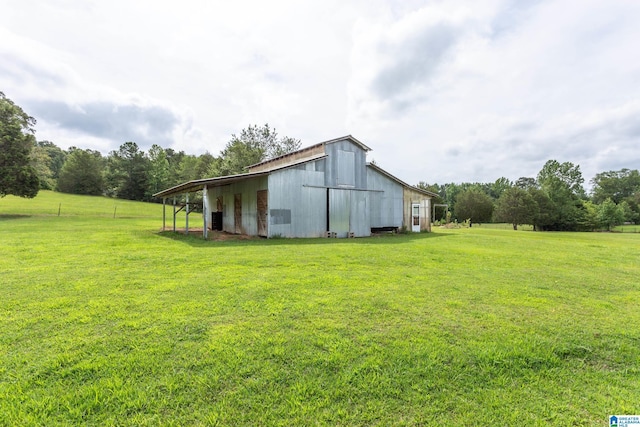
(199, 184)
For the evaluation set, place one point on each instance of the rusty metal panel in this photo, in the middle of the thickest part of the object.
(237, 213)
(262, 212)
(300, 155)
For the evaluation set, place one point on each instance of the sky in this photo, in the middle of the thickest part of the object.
(442, 91)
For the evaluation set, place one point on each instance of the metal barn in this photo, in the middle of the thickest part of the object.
(325, 190)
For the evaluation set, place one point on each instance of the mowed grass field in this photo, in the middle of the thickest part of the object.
(106, 321)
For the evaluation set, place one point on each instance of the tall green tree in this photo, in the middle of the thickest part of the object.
(526, 183)
(475, 205)
(566, 175)
(204, 164)
(159, 169)
(562, 182)
(450, 192)
(175, 160)
(610, 214)
(630, 214)
(47, 159)
(545, 214)
(516, 206)
(619, 186)
(17, 174)
(40, 163)
(186, 170)
(499, 186)
(56, 155)
(253, 145)
(127, 172)
(591, 217)
(82, 173)
(615, 185)
(440, 212)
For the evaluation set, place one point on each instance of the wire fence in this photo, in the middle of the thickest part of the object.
(628, 228)
(634, 228)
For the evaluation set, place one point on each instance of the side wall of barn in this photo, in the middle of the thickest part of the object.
(386, 200)
(298, 201)
(411, 197)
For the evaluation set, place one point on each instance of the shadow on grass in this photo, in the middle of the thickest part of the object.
(7, 217)
(233, 240)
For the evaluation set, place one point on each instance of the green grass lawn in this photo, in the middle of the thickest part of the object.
(106, 321)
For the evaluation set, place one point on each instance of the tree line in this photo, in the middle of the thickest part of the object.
(131, 173)
(27, 165)
(553, 200)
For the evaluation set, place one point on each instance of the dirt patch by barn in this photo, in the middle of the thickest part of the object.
(214, 235)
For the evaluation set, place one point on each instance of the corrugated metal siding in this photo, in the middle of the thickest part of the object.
(339, 211)
(360, 216)
(386, 203)
(349, 212)
(307, 206)
(334, 164)
(346, 174)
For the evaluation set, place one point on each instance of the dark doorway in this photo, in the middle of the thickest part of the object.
(262, 212)
(237, 213)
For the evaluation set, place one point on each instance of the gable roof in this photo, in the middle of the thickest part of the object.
(311, 150)
(304, 155)
(349, 138)
(399, 181)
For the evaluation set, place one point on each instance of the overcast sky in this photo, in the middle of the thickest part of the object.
(442, 91)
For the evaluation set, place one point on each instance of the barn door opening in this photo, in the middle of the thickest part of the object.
(262, 212)
(415, 217)
(237, 213)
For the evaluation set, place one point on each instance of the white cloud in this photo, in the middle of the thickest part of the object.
(498, 97)
(441, 90)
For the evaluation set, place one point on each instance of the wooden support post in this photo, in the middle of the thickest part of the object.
(186, 228)
(174, 214)
(164, 212)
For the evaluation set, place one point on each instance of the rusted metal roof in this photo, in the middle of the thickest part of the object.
(198, 184)
(297, 153)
